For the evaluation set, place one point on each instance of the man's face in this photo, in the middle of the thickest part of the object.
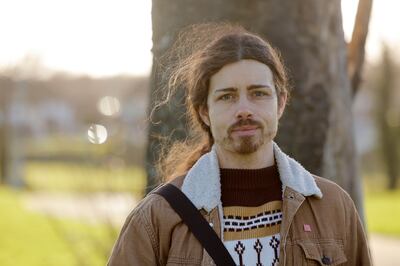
(242, 108)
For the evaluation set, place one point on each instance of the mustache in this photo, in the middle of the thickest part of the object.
(244, 122)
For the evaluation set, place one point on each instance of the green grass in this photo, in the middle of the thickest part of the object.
(33, 239)
(383, 212)
(382, 206)
(28, 238)
(72, 177)
(71, 145)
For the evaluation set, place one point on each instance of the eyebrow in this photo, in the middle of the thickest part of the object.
(251, 87)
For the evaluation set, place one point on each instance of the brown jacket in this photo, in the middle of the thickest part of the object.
(153, 233)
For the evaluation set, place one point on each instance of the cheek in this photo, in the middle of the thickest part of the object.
(219, 122)
(270, 111)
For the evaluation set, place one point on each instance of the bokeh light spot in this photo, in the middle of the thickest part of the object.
(109, 106)
(97, 134)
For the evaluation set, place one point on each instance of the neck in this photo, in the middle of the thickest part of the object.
(261, 158)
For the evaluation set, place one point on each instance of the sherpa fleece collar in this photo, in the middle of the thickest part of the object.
(202, 183)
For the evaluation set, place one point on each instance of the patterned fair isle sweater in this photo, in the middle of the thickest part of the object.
(252, 204)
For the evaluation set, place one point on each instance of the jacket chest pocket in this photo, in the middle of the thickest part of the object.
(318, 252)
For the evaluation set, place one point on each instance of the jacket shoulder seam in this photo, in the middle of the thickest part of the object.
(150, 232)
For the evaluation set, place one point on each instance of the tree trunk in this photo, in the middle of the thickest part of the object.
(388, 132)
(14, 152)
(3, 149)
(317, 126)
(6, 87)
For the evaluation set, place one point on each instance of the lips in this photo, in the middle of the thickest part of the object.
(244, 128)
(245, 125)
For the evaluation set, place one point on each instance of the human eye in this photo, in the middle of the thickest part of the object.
(259, 93)
(226, 97)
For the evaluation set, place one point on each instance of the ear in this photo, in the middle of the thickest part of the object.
(282, 104)
(203, 112)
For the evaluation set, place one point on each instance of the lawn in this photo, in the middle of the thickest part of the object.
(37, 240)
(73, 177)
(34, 239)
(382, 207)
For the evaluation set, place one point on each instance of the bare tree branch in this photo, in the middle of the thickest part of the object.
(356, 47)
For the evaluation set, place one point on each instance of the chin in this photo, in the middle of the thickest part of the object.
(248, 145)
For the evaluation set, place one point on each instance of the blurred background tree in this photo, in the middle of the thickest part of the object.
(11, 149)
(316, 128)
(5, 84)
(387, 115)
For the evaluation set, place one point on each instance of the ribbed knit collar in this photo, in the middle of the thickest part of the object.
(248, 179)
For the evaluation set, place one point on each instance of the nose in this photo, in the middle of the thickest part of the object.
(243, 111)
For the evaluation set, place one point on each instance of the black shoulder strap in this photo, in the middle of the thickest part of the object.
(196, 223)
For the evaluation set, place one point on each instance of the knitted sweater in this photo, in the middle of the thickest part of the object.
(252, 203)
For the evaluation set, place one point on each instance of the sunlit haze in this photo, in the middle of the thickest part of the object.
(88, 37)
(383, 25)
(114, 37)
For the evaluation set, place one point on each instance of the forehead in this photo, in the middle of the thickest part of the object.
(241, 74)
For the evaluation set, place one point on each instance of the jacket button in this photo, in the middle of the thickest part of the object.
(326, 260)
(211, 224)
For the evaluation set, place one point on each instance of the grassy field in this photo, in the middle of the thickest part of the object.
(74, 177)
(382, 207)
(383, 212)
(33, 239)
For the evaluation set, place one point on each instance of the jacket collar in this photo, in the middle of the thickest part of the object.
(202, 183)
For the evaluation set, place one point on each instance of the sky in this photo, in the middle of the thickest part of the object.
(95, 37)
(383, 26)
(104, 37)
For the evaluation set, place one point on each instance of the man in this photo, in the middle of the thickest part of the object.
(264, 206)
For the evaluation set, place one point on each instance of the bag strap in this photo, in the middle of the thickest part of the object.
(196, 223)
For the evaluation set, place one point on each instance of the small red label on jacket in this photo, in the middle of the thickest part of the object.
(307, 228)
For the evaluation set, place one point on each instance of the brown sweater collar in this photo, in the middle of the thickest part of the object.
(249, 178)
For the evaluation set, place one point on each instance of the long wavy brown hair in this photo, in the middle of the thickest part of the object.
(200, 52)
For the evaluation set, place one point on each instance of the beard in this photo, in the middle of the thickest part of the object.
(246, 144)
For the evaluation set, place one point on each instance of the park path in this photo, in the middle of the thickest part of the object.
(114, 207)
(385, 250)
(93, 208)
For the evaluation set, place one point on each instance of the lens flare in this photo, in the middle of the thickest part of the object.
(97, 134)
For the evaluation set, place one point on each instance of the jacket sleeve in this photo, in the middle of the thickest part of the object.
(136, 243)
(356, 241)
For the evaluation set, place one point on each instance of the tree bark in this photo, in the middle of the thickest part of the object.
(356, 47)
(317, 127)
